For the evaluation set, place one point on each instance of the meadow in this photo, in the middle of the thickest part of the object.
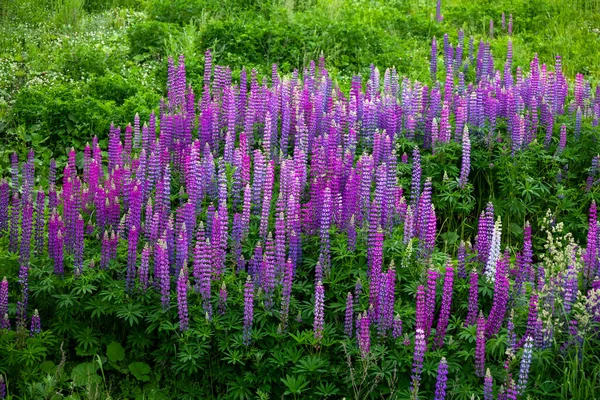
(279, 199)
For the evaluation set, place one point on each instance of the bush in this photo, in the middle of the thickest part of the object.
(148, 37)
(111, 87)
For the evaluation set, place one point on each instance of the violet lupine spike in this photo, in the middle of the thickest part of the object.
(319, 321)
(36, 325)
(325, 225)
(364, 335)
(161, 272)
(438, 11)
(143, 272)
(4, 206)
(501, 288)
(286, 293)
(2, 387)
(397, 330)
(248, 310)
(132, 243)
(4, 323)
(430, 296)
(442, 378)
(488, 382)
(416, 178)
(466, 159)
(421, 309)
(480, 346)
(473, 298)
(23, 303)
(26, 230)
(349, 320)
(525, 365)
(182, 302)
(222, 302)
(445, 309)
(433, 60)
(418, 357)
(563, 139)
(79, 245)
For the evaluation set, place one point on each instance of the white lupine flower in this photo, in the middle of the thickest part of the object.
(490, 267)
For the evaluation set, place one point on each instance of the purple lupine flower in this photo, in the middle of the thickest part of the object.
(4, 206)
(488, 382)
(325, 225)
(143, 271)
(397, 330)
(132, 242)
(571, 285)
(419, 355)
(36, 325)
(267, 272)
(480, 346)
(286, 292)
(466, 159)
(415, 188)
(445, 309)
(438, 11)
(39, 221)
(4, 323)
(430, 295)
(222, 302)
(182, 302)
(22, 304)
(349, 321)
(525, 364)
(421, 308)
(442, 378)
(578, 117)
(161, 271)
(78, 246)
(351, 234)
(473, 296)
(319, 312)
(364, 334)
(501, 287)
(248, 310)
(563, 139)
(2, 387)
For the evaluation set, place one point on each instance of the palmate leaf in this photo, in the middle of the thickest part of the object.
(130, 312)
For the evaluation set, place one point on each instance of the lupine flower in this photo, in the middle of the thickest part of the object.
(182, 303)
(319, 311)
(433, 60)
(525, 364)
(480, 346)
(397, 330)
(563, 139)
(445, 310)
(222, 304)
(488, 393)
(286, 293)
(36, 326)
(364, 334)
(419, 355)
(4, 324)
(490, 267)
(2, 387)
(466, 159)
(349, 320)
(442, 378)
(461, 257)
(248, 310)
(143, 270)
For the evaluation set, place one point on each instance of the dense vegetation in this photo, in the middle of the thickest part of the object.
(275, 226)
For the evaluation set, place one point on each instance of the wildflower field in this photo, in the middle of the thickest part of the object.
(354, 199)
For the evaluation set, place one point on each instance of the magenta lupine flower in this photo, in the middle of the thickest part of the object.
(182, 302)
(325, 225)
(430, 293)
(421, 309)
(364, 334)
(319, 320)
(143, 271)
(4, 323)
(222, 302)
(466, 159)
(480, 346)
(248, 310)
(419, 355)
(473, 298)
(404, 158)
(488, 382)
(349, 321)
(442, 378)
(26, 228)
(36, 325)
(525, 364)
(445, 309)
